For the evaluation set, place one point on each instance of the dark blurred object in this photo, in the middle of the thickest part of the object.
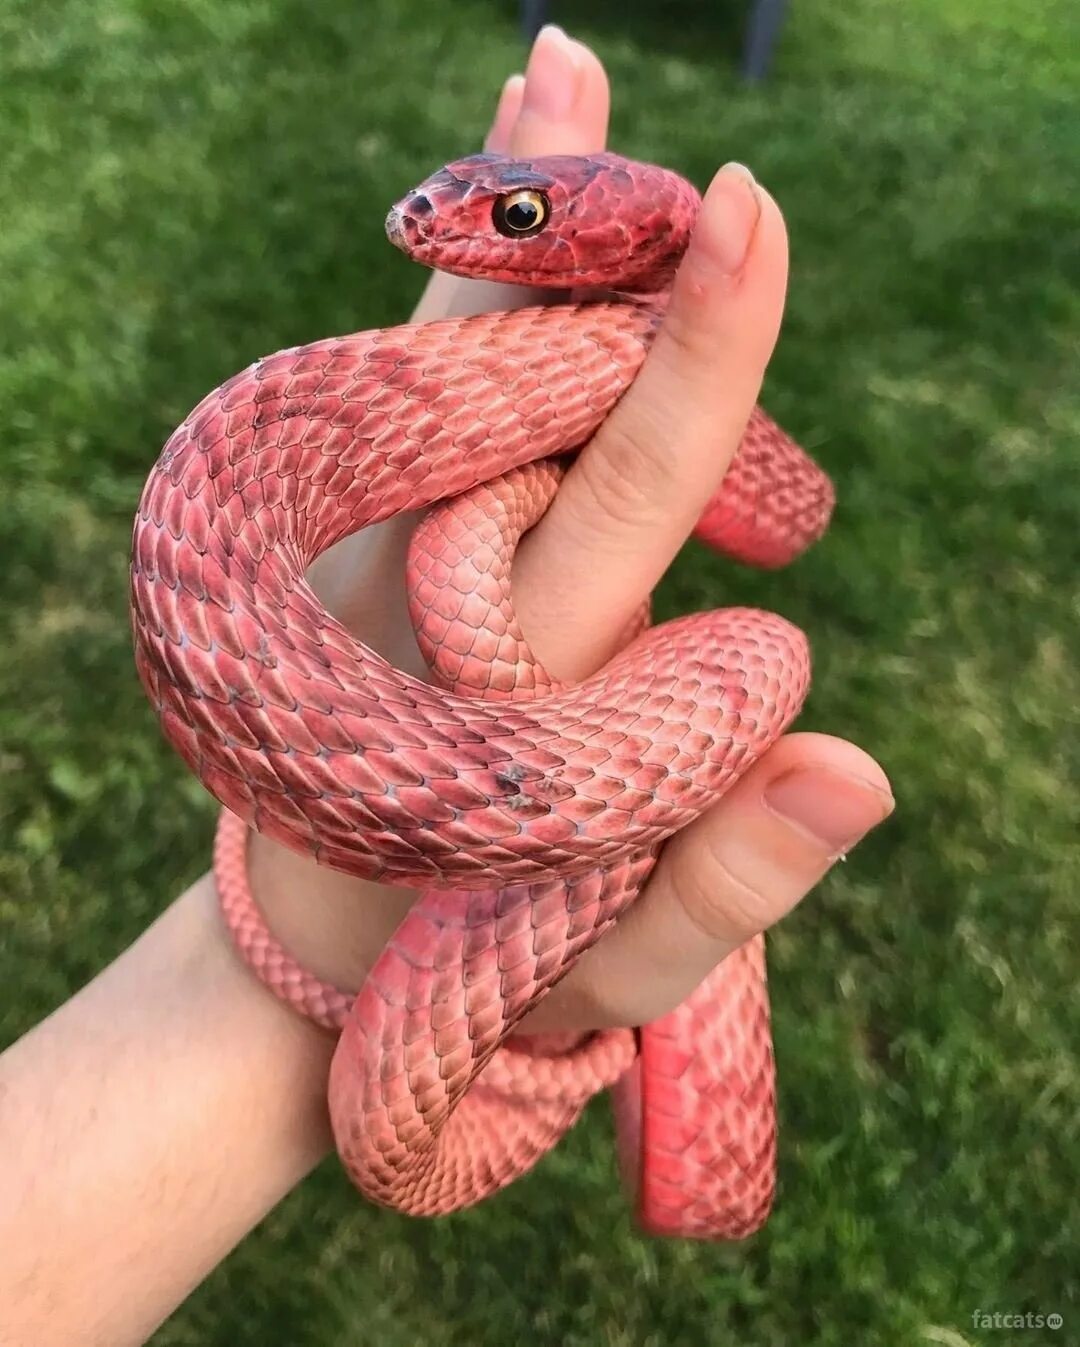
(766, 19)
(533, 17)
(762, 29)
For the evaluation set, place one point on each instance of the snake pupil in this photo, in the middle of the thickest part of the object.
(521, 214)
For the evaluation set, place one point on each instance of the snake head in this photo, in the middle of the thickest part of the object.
(561, 221)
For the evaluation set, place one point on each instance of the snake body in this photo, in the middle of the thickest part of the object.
(526, 812)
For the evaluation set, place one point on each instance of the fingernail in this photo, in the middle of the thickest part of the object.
(738, 170)
(834, 807)
(736, 208)
(551, 77)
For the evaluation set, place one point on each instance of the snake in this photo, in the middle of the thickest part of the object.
(525, 812)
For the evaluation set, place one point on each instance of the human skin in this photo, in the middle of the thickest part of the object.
(153, 1119)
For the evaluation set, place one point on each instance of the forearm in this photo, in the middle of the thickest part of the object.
(145, 1127)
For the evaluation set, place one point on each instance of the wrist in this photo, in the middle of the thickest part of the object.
(332, 924)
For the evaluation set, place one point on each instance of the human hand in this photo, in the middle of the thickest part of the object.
(621, 514)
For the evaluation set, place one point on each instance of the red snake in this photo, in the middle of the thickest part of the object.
(527, 812)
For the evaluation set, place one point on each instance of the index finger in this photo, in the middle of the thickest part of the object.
(637, 490)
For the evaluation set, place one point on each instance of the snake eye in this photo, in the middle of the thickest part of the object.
(521, 214)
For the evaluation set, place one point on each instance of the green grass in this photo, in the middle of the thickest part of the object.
(185, 186)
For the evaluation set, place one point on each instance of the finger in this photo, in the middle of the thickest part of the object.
(726, 878)
(559, 106)
(639, 487)
(565, 101)
(507, 111)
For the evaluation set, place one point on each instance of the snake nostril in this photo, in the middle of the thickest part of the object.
(420, 206)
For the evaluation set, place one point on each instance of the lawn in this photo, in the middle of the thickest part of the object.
(185, 185)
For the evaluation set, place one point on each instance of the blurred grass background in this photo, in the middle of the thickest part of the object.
(185, 185)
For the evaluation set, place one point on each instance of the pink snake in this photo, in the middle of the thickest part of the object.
(528, 813)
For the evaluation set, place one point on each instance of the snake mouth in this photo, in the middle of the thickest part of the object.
(396, 222)
(406, 222)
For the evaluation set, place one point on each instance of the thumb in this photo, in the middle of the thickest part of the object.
(639, 487)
